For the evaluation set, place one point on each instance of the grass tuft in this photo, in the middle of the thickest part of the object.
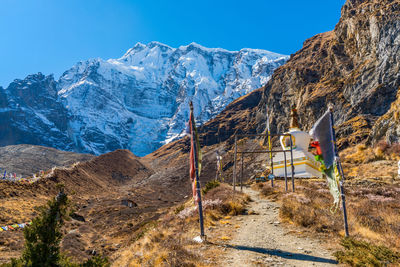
(210, 185)
(361, 253)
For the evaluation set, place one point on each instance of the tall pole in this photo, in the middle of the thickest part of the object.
(198, 189)
(339, 166)
(241, 175)
(270, 149)
(218, 164)
(284, 158)
(234, 165)
(291, 161)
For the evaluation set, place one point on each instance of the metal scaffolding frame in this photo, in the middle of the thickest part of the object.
(270, 150)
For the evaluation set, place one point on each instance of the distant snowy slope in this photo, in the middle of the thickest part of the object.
(138, 102)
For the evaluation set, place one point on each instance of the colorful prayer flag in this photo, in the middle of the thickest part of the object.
(322, 133)
(192, 156)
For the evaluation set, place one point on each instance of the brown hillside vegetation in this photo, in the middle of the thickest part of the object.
(97, 187)
(355, 67)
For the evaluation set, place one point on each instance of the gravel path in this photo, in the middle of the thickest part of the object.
(262, 241)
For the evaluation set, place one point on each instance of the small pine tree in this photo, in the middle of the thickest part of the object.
(43, 236)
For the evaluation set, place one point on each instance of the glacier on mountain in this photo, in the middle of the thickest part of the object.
(141, 100)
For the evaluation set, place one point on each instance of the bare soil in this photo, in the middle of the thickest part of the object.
(261, 240)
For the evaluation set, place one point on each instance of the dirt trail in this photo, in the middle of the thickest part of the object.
(262, 241)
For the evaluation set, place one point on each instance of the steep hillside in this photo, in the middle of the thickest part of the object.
(355, 67)
(97, 189)
(28, 159)
(98, 175)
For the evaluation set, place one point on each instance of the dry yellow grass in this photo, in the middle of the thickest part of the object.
(373, 209)
(363, 154)
(169, 241)
(19, 211)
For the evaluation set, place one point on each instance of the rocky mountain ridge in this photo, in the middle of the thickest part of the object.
(138, 102)
(355, 67)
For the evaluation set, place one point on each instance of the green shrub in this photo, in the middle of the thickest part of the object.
(43, 237)
(361, 253)
(210, 185)
(179, 209)
(96, 261)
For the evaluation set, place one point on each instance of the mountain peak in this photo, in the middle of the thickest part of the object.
(155, 43)
(194, 45)
(137, 102)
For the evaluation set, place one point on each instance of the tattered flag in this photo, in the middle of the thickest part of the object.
(322, 133)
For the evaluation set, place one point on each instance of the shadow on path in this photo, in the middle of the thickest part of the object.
(284, 254)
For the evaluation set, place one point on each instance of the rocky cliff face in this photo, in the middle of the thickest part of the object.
(138, 102)
(31, 113)
(355, 67)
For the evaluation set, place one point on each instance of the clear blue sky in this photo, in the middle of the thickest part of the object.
(50, 36)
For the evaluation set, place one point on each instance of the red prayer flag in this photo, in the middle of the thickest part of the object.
(192, 159)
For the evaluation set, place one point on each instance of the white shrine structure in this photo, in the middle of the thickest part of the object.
(305, 166)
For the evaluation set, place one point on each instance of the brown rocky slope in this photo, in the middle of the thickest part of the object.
(355, 67)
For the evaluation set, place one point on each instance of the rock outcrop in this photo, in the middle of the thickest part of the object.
(355, 67)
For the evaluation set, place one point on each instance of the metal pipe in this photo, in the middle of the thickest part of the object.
(234, 165)
(284, 158)
(262, 151)
(198, 188)
(339, 166)
(248, 135)
(241, 176)
(291, 161)
(270, 155)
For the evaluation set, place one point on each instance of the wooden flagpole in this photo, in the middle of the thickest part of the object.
(241, 173)
(234, 165)
(339, 166)
(198, 188)
(270, 149)
(291, 161)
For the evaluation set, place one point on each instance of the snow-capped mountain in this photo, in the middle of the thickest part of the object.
(139, 101)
